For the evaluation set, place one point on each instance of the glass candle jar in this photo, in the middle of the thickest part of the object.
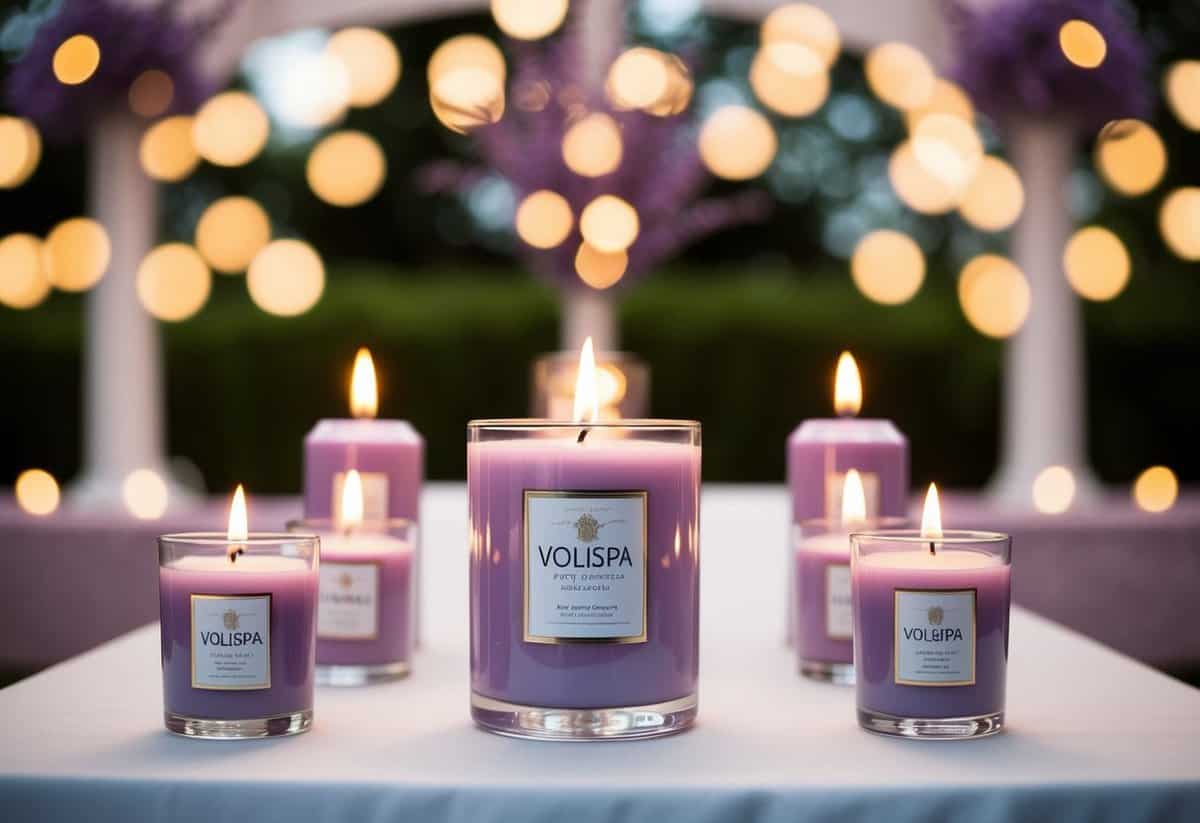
(366, 605)
(822, 618)
(584, 577)
(238, 626)
(931, 632)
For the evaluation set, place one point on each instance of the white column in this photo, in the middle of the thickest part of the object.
(123, 396)
(1045, 420)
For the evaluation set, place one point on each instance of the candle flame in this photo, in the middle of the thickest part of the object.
(931, 518)
(364, 394)
(352, 500)
(854, 500)
(587, 400)
(847, 387)
(238, 531)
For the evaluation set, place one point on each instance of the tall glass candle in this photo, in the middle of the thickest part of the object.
(821, 452)
(931, 612)
(238, 626)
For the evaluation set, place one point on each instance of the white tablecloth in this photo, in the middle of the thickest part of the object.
(1092, 735)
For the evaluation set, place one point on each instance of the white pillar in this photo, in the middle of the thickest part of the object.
(589, 313)
(1045, 420)
(123, 396)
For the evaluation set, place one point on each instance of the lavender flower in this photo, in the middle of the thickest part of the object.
(132, 40)
(1011, 63)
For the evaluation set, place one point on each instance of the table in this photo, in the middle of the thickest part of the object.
(1093, 735)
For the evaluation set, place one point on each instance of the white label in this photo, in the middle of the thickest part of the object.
(836, 481)
(231, 641)
(349, 601)
(839, 616)
(585, 567)
(935, 637)
(375, 495)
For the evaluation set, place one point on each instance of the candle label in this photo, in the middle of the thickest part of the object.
(231, 641)
(349, 602)
(935, 637)
(375, 495)
(838, 614)
(835, 482)
(585, 567)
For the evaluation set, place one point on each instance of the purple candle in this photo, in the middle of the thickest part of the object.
(931, 629)
(238, 625)
(584, 576)
(821, 452)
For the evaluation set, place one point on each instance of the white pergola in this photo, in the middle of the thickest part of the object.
(1044, 419)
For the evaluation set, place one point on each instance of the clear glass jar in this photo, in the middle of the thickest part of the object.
(622, 385)
(584, 577)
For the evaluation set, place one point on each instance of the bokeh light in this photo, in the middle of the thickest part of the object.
(916, 187)
(173, 282)
(466, 82)
(20, 151)
(948, 148)
(789, 78)
(76, 59)
(806, 25)
(1082, 43)
(529, 19)
(1131, 156)
(315, 91)
(609, 224)
(899, 75)
(638, 79)
(600, 269)
(286, 278)
(346, 168)
(1181, 86)
(371, 62)
(76, 254)
(888, 267)
(37, 492)
(1156, 489)
(145, 494)
(1179, 222)
(230, 129)
(23, 282)
(737, 143)
(994, 295)
(679, 89)
(168, 152)
(995, 197)
(151, 93)
(1097, 263)
(947, 98)
(544, 219)
(1053, 490)
(592, 145)
(231, 231)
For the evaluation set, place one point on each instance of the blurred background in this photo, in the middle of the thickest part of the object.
(207, 207)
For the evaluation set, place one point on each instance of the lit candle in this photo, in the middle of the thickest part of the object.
(238, 625)
(820, 452)
(584, 573)
(365, 618)
(931, 612)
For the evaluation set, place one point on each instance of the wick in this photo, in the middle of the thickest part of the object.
(582, 434)
(932, 550)
(233, 555)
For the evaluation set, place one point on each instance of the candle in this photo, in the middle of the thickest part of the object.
(821, 452)
(238, 625)
(584, 573)
(364, 618)
(931, 615)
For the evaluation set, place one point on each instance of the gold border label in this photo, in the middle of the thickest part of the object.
(552, 640)
(974, 592)
(331, 561)
(192, 640)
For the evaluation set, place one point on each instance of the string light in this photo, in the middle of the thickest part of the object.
(1082, 43)
(888, 267)
(230, 129)
(609, 224)
(286, 278)
(23, 282)
(151, 93)
(1156, 489)
(737, 143)
(529, 19)
(1131, 156)
(76, 59)
(20, 151)
(544, 219)
(1053, 490)
(1179, 222)
(231, 231)
(995, 197)
(789, 78)
(1181, 86)
(994, 295)
(173, 282)
(1096, 263)
(592, 146)
(806, 25)
(346, 168)
(899, 75)
(37, 492)
(600, 269)
(76, 254)
(167, 151)
(371, 62)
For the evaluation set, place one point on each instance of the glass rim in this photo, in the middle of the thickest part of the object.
(536, 423)
(368, 525)
(950, 537)
(254, 539)
(886, 521)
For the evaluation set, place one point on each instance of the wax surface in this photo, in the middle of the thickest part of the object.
(583, 675)
(875, 579)
(814, 555)
(394, 639)
(293, 589)
(818, 448)
(389, 447)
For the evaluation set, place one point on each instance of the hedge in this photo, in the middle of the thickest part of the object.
(749, 355)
